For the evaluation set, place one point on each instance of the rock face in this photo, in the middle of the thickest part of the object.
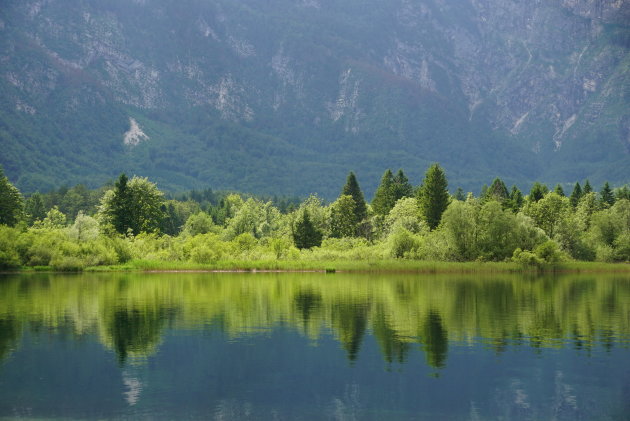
(523, 90)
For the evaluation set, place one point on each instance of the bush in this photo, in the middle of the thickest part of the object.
(9, 256)
(403, 243)
(526, 258)
(549, 251)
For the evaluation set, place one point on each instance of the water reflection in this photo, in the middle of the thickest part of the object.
(131, 313)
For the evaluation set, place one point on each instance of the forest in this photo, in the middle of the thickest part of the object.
(132, 224)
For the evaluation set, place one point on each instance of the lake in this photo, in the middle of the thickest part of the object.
(306, 346)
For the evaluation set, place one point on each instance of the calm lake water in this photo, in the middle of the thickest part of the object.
(313, 346)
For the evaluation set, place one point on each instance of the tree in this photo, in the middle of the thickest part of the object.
(537, 192)
(516, 199)
(497, 191)
(305, 235)
(622, 193)
(433, 196)
(402, 187)
(11, 202)
(132, 206)
(352, 189)
(459, 194)
(587, 187)
(548, 212)
(343, 222)
(35, 209)
(384, 198)
(576, 194)
(606, 195)
(559, 190)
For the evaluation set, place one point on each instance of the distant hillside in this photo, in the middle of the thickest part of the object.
(287, 96)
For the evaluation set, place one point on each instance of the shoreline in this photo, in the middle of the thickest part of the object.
(338, 266)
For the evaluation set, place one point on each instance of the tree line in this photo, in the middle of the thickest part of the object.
(133, 219)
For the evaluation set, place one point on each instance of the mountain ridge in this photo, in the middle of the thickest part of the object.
(288, 96)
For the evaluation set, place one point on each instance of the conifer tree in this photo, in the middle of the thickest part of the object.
(537, 192)
(576, 195)
(606, 195)
(459, 194)
(11, 202)
(384, 198)
(34, 207)
(402, 187)
(587, 188)
(305, 234)
(559, 190)
(433, 196)
(497, 191)
(622, 193)
(516, 199)
(352, 188)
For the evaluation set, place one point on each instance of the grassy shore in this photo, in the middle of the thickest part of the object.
(348, 266)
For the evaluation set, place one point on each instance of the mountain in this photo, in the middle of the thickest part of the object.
(287, 96)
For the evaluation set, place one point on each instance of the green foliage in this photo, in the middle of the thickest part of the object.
(305, 235)
(587, 187)
(548, 211)
(576, 194)
(559, 190)
(607, 198)
(199, 223)
(352, 189)
(260, 219)
(34, 207)
(384, 198)
(132, 207)
(343, 217)
(549, 252)
(433, 196)
(497, 191)
(11, 202)
(9, 256)
(403, 243)
(537, 192)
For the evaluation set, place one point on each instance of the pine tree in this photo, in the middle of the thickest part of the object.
(537, 192)
(587, 188)
(121, 205)
(622, 193)
(384, 199)
(11, 202)
(559, 190)
(35, 208)
(402, 187)
(576, 194)
(352, 189)
(497, 191)
(305, 234)
(459, 194)
(606, 195)
(433, 196)
(516, 199)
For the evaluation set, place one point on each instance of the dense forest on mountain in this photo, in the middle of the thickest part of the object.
(284, 97)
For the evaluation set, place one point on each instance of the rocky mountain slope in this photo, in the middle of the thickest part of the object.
(286, 96)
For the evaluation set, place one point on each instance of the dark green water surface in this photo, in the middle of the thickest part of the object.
(314, 347)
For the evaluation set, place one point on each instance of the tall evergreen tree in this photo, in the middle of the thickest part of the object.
(537, 192)
(559, 190)
(606, 195)
(516, 199)
(459, 194)
(433, 196)
(587, 187)
(121, 205)
(11, 202)
(576, 194)
(384, 198)
(402, 186)
(35, 209)
(622, 193)
(497, 191)
(305, 235)
(351, 188)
